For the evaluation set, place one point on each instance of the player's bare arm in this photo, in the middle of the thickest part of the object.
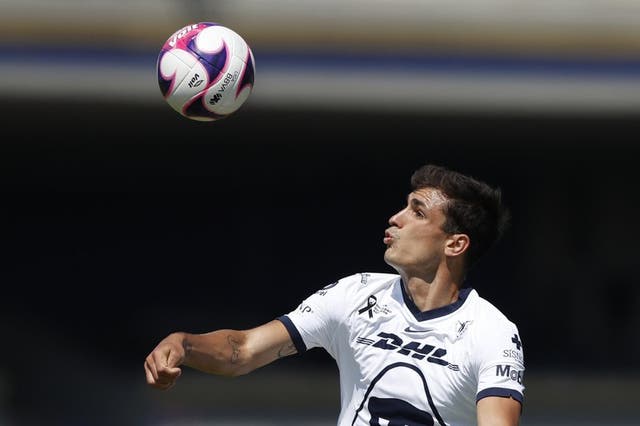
(498, 411)
(221, 352)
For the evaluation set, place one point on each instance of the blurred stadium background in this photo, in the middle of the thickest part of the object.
(122, 221)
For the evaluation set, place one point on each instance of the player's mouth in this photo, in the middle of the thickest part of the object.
(388, 238)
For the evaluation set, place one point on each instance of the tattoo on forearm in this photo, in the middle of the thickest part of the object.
(286, 350)
(235, 349)
(187, 347)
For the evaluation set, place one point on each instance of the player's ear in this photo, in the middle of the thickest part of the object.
(456, 244)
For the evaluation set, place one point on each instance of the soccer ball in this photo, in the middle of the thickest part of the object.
(205, 71)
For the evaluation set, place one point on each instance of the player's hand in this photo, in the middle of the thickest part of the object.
(162, 365)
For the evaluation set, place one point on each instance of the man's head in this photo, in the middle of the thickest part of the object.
(447, 214)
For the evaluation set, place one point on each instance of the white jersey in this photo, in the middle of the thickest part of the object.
(400, 366)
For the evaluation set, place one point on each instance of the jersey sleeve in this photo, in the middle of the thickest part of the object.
(500, 361)
(319, 318)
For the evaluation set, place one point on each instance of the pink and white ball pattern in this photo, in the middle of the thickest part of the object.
(205, 71)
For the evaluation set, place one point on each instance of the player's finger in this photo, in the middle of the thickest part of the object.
(161, 380)
(159, 358)
(150, 377)
(161, 385)
(174, 359)
(166, 378)
(169, 374)
(151, 366)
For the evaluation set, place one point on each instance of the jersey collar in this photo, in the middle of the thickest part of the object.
(438, 312)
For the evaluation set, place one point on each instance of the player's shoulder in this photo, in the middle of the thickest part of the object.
(370, 279)
(489, 329)
(489, 315)
(365, 282)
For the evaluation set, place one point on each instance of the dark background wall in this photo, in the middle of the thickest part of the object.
(122, 223)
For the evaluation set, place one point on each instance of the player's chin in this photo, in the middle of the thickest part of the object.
(389, 257)
(394, 259)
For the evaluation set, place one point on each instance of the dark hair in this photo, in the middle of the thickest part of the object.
(473, 207)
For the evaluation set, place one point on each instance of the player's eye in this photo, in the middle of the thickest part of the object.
(418, 213)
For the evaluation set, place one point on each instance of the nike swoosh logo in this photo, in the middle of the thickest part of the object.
(411, 330)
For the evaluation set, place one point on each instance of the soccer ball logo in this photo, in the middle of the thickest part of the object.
(205, 71)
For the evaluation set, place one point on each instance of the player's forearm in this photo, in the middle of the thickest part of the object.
(221, 352)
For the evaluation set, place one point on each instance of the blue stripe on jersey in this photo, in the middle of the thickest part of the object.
(503, 392)
(438, 312)
(294, 333)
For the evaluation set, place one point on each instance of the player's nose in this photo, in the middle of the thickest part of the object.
(396, 219)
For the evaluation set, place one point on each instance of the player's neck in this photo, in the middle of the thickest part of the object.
(430, 295)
